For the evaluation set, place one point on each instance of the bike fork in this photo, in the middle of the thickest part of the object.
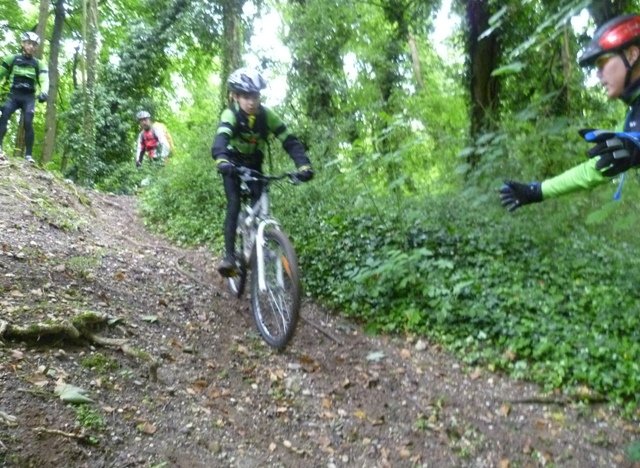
(262, 284)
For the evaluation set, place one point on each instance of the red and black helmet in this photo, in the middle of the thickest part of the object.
(613, 36)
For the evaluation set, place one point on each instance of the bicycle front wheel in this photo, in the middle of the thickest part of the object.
(276, 306)
(237, 282)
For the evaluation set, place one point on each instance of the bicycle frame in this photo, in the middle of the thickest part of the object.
(259, 213)
(269, 254)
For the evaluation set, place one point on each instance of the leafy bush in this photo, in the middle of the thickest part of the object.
(549, 302)
(186, 201)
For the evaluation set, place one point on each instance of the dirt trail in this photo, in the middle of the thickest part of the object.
(219, 396)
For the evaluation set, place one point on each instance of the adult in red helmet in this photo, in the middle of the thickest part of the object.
(614, 51)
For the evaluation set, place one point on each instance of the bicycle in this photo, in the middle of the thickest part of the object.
(266, 251)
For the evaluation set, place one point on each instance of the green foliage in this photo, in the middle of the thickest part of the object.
(541, 301)
(186, 201)
(126, 178)
(99, 362)
(89, 418)
(633, 452)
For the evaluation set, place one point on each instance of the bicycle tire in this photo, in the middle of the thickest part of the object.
(277, 309)
(237, 283)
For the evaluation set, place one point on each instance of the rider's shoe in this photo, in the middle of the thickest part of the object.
(29, 159)
(228, 267)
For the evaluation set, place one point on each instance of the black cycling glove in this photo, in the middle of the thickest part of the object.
(616, 152)
(515, 194)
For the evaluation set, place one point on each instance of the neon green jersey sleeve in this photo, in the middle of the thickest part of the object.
(581, 177)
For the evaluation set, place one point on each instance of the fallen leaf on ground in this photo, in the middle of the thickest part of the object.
(375, 356)
(72, 394)
(146, 428)
(504, 410)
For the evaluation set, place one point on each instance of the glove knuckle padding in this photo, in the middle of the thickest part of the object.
(614, 143)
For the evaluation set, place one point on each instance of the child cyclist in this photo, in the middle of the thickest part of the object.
(614, 50)
(240, 141)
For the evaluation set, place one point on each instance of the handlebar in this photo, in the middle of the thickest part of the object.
(247, 174)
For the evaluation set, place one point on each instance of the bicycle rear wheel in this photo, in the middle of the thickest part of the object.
(276, 309)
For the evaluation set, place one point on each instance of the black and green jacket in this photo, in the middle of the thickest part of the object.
(585, 175)
(242, 139)
(25, 73)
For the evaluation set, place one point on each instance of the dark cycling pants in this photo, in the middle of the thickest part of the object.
(232, 191)
(27, 103)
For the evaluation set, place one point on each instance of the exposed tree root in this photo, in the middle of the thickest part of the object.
(81, 437)
(8, 419)
(81, 327)
(590, 399)
(185, 273)
(128, 350)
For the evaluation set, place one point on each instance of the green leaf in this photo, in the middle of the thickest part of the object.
(72, 394)
(633, 451)
(466, 152)
(494, 22)
(515, 67)
(498, 15)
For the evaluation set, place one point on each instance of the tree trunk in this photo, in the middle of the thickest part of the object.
(232, 42)
(41, 29)
(88, 128)
(483, 56)
(415, 61)
(54, 52)
(390, 79)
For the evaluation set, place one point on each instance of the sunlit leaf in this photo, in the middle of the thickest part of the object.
(72, 394)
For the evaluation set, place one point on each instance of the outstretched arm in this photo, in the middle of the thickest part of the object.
(613, 154)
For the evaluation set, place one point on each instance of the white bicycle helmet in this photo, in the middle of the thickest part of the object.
(245, 80)
(143, 115)
(30, 36)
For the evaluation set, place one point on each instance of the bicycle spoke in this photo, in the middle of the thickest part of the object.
(280, 310)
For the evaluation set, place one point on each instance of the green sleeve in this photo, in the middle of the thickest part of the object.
(43, 79)
(581, 177)
(276, 125)
(227, 122)
(5, 66)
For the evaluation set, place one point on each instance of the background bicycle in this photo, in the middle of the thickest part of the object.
(265, 252)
